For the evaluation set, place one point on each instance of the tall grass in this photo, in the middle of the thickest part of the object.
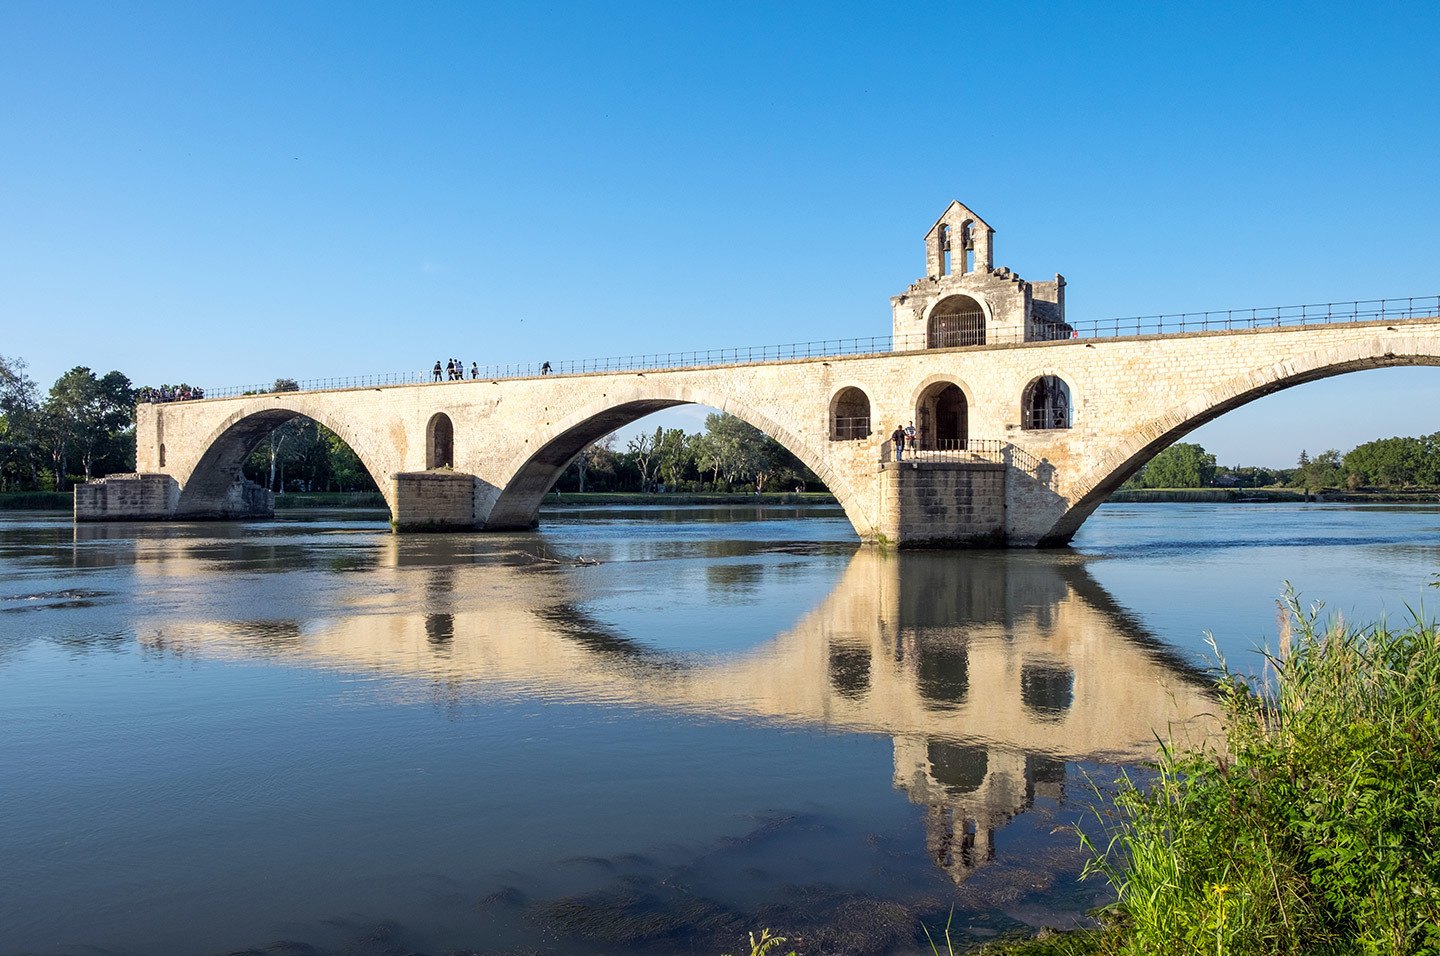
(1315, 828)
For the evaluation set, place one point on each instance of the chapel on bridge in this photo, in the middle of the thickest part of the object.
(964, 300)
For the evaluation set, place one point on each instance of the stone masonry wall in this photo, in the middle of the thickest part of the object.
(133, 497)
(434, 501)
(942, 504)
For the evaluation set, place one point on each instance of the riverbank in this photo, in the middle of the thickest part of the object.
(373, 500)
(1270, 496)
(687, 498)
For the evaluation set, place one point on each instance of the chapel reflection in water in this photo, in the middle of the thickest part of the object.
(990, 672)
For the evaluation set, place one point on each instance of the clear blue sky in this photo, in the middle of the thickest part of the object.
(229, 193)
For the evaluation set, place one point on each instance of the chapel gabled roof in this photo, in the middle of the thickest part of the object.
(964, 211)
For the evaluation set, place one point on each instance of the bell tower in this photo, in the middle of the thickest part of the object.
(963, 300)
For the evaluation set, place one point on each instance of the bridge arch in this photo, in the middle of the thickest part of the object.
(217, 469)
(531, 473)
(1153, 436)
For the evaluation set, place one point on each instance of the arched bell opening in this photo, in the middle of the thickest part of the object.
(956, 321)
(942, 418)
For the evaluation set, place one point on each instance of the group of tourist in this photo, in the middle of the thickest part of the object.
(902, 437)
(454, 370)
(169, 393)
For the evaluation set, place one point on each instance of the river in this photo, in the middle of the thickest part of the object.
(313, 736)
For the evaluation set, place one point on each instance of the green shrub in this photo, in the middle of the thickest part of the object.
(1315, 828)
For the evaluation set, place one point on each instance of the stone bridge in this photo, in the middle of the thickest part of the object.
(1025, 423)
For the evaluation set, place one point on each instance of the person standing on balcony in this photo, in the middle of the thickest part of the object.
(910, 438)
(897, 438)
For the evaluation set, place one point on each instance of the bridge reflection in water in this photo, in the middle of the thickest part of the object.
(990, 674)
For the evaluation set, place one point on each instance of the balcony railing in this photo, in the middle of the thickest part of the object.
(993, 450)
(1181, 323)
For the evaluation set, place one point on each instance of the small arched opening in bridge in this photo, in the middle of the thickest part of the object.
(439, 442)
(274, 448)
(956, 320)
(849, 415)
(1046, 404)
(942, 417)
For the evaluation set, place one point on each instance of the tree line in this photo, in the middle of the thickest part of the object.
(1385, 463)
(729, 455)
(82, 428)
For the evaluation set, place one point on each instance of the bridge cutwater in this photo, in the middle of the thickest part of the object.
(1026, 421)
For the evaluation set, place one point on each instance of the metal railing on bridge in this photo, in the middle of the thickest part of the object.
(993, 450)
(1178, 323)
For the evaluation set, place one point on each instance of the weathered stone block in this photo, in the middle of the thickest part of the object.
(434, 501)
(134, 497)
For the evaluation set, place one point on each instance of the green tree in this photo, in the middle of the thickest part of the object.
(88, 419)
(738, 451)
(1322, 471)
(673, 454)
(1246, 476)
(642, 450)
(346, 471)
(1182, 465)
(1395, 461)
(19, 427)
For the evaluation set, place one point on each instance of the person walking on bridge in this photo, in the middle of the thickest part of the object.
(436, 370)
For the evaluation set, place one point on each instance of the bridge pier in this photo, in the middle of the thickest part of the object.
(942, 504)
(434, 501)
(157, 497)
(134, 497)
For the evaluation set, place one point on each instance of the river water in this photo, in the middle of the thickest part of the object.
(313, 736)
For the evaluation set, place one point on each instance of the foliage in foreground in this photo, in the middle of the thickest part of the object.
(1316, 829)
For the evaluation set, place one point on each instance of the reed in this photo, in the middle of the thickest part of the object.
(1314, 828)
